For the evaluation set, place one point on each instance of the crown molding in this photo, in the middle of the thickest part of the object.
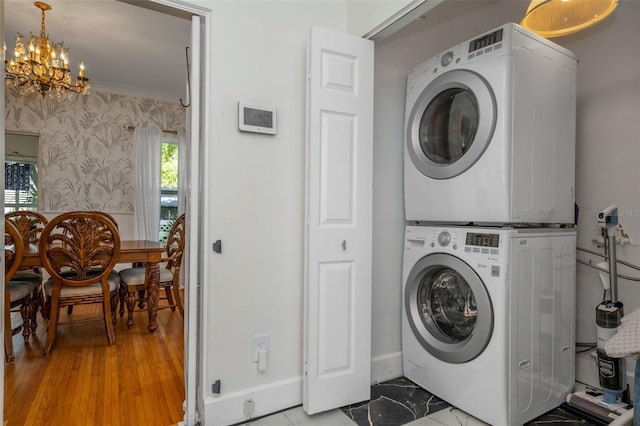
(134, 91)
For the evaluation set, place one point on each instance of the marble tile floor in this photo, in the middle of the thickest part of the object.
(400, 402)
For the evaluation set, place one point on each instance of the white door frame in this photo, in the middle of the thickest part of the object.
(2, 127)
(198, 225)
(198, 191)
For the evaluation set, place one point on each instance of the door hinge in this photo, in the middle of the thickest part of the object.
(217, 246)
(215, 387)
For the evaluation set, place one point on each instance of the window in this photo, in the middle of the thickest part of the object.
(168, 188)
(21, 172)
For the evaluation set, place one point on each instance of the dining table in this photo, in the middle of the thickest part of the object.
(131, 251)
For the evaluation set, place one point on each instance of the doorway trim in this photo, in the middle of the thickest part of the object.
(197, 202)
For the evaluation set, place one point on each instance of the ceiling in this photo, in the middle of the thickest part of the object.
(122, 45)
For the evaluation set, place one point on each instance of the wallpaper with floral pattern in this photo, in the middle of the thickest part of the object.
(85, 150)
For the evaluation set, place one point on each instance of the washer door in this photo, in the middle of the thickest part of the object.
(451, 124)
(448, 308)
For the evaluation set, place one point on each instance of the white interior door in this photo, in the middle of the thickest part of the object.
(337, 341)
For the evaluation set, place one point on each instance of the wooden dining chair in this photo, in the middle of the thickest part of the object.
(133, 280)
(17, 293)
(113, 220)
(30, 225)
(79, 251)
(107, 215)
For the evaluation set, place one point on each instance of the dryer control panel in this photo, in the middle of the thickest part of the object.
(486, 40)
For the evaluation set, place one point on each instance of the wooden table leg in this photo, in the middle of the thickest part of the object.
(153, 294)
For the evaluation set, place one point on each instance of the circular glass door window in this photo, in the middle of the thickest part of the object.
(448, 126)
(447, 306)
(451, 124)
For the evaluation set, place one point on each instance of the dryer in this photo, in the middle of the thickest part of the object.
(488, 318)
(490, 132)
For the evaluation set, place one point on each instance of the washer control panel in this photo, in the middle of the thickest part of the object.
(485, 243)
(480, 242)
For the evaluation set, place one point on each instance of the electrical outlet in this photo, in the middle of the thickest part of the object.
(259, 342)
(249, 407)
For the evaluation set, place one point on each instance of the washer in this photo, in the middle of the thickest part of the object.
(490, 132)
(488, 318)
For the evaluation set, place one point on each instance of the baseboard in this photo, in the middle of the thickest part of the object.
(227, 409)
(386, 367)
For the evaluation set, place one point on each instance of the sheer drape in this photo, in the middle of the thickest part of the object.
(147, 151)
(183, 156)
(183, 176)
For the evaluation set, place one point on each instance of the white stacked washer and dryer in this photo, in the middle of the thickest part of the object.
(488, 315)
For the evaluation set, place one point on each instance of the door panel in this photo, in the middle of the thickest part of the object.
(337, 168)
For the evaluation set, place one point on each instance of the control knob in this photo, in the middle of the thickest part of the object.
(444, 238)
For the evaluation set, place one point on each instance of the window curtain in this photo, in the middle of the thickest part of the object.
(183, 179)
(147, 151)
(183, 166)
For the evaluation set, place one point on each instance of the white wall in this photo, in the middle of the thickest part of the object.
(257, 207)
(607, 158)
(607, 146)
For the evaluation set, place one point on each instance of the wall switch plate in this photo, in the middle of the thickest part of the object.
(258, 342)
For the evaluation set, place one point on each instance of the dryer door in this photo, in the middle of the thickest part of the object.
(448, 308)
(451, 124)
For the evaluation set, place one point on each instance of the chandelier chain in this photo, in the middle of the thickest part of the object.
(43, 30)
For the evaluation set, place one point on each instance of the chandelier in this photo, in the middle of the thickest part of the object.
(41, 66)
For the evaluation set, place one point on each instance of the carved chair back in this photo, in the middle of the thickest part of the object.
(29, 224)
(13, 250)
(175, 244)
(79, 248)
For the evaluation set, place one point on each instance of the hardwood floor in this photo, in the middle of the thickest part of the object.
(137, 381)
